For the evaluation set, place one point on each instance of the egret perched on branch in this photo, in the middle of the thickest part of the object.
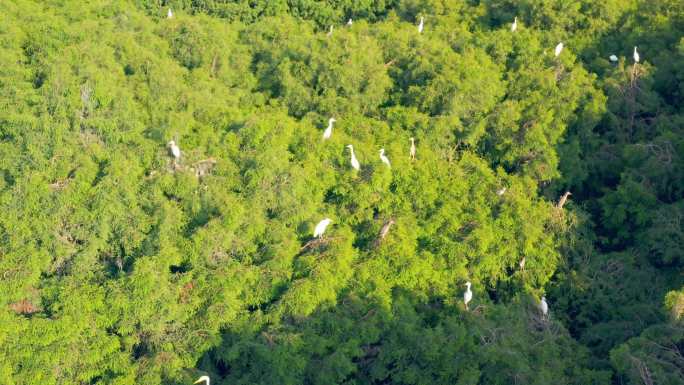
(563, 199)
(559, 49)
(328, 131)
(175, 150)
(501, 191)
(203, 378)
(613, 58)
(412, 151)
(636, 55)
(383, 158)
(321, 226)
(544, 307)
(169, 14)
(354, 162)
(468, 295)
(522, 263)
(421, 25)
(514, 26)
(350, 22)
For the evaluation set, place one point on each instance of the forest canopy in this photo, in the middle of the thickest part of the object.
(164, 167)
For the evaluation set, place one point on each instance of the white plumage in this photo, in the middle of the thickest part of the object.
(559, 49)
(514, 26)
(350, 22)
(384, 158)
(544, 307)
(203, 378)
(169, 14)
(501, 191)
(175, 150)
(320, 227)
(421, 25)
(613, 58)
(636, 55)
(330, 31)
(354, 162)
(468, 295)
(412, 151)
(328, 131)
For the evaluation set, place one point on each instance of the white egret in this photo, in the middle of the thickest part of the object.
(203, 378)
(331, 31)
(354, 162)
(563, 199)
(514, 26)
(328, 131)
(350, 22)
(636, 55)
(468, 295)
(544, 307)
(421, 25)
(169, 14)
(384, 158)
(501, 191)
(522, 264)
(175, 150)
(321, 226)
(559, 49)
(412, 151)
(613, 58)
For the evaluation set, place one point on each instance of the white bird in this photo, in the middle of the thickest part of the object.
(169, 14)
(544, 307)
(636, 55)
(514, 26)
(328, 131)
(559, 48)
(522, 263)
(354, 162)
(350, 22)
(175, 150)
(501, 191)
(321, 226)
(331, 31)
(468, 295)
(203, 378)
(384, 158)
(613, 58)
(412, 151)
(421, 25)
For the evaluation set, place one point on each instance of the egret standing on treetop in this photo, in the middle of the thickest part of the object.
(501, 191)
(331, 31)
(383, 158)
(514, 26)
(412, 151)
(421, 25)
(175, 151)
(350, 22)
(321, 226)
(559, 49)
(328, 131)
(354, 162)
(468, 295)
(613, 58)
(169, 14)
(203, 378)
(636, 55)
(544, 307)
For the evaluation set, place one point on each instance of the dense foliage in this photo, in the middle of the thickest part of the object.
(120, 265)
